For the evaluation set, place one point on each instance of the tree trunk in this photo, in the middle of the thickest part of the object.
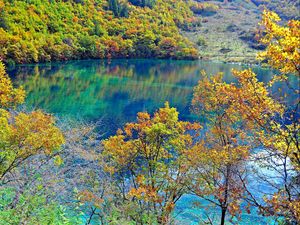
(223, 216)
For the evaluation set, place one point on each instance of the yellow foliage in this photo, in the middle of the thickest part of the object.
(283, 43)
(139, 139)
(148, 153)
(23, 135)
(284, 207)
(234, 113)
(9, 96)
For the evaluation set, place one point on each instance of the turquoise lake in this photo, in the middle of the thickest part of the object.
(114, 91)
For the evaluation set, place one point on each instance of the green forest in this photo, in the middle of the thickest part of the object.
(109, 114)
(42, 30)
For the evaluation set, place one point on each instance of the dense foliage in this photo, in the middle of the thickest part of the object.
(282, 52)
(204, 8)
(152, 155)
(42, 30)
(22, 134)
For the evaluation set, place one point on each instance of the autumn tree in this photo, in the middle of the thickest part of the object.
(280, 136)
(22, 135)
(248, 115)
(220, 158)
(148, 158)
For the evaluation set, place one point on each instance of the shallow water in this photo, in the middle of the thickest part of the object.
(114, 91)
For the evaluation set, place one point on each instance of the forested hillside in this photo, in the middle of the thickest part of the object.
(42, 30)
(56, 30)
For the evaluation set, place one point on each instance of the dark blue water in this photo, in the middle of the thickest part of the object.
(114, 91)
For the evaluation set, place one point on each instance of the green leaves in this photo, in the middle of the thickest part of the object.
(32, 209)
(63, 30)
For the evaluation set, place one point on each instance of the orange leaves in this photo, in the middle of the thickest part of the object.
(235, 208)
(140, 179)
(112, 48)
(254, 98)
(294, 206)
(235, 111)
(24, 135)
(149, 138)
(199, 8)
(247, 101)
(209, 93)
(169, 207)
(121, 152)
(146, 193)
(203, 155)
(128, 129)
(168, 46)
(245, 115)
(166, 115)
(283, 206)
(152, 153)
(75, 19)
(231, 110)
(143, 117)
(89, 197)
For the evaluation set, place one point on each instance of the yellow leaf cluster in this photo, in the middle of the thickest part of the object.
(9, 96)
(23, 135)
(146, 193)
(152, 154)
(149, 138)
(283, 43)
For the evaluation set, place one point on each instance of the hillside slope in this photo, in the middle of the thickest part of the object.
(228, 28)
(43, 30)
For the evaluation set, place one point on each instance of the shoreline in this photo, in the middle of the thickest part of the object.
(12, 67)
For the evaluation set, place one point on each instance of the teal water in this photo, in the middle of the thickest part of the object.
(114, 91)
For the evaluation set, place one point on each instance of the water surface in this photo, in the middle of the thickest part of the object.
(114, 91)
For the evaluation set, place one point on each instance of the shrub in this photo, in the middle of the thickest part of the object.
(205, 8)
(201, 41)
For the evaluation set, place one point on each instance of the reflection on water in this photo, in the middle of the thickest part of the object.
(115, 91)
